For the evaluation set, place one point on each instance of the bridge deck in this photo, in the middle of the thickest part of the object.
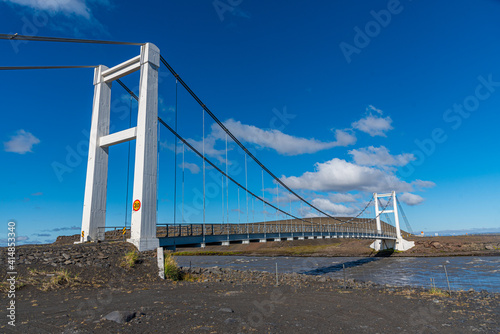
(199, 240)
(171, 235)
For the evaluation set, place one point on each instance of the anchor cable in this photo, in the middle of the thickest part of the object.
(18, 37)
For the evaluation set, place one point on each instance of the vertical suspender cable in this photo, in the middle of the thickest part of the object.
(277, 207)
(263, 205)
(175, 159)
(253, 213)
(320, 227)
(203, 121)
(128, 165)
(300, 213)
(223, 209)
(227, 193)
(157, 172)
(222, 199)
(239, 219)
(182, 209)
(246, 192)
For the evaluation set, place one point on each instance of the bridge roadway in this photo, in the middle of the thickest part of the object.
(224, 234)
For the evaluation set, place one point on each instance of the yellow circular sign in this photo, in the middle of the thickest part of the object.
(137, 205)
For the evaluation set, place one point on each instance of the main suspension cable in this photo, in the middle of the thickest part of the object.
(18, 37)
(223, 127)
(7, 68)
(410, 230)
(264, 202)
(221, 171)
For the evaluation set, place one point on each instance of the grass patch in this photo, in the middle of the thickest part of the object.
(172, 270)
(130, 259)
(174, 273)
(57, 279)
(438, 292)
(5, 286)
(44, 280)
(188, 277)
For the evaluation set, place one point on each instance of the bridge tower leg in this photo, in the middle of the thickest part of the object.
(377, 214)
(143, 226)
(380, 244)
(94, 204)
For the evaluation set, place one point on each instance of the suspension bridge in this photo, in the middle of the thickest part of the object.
(285, 214)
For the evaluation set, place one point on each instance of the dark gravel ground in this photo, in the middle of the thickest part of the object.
(220, 300)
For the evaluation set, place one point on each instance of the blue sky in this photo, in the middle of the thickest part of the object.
(338, 98)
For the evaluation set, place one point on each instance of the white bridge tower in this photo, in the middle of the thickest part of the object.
(399, 244)
(143, 226)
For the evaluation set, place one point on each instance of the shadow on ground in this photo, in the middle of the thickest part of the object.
(340, 266)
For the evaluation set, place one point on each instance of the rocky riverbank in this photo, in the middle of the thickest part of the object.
(464, 245)
(75, 288)
(481, 245)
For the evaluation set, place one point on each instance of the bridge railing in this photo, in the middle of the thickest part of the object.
(186, 230)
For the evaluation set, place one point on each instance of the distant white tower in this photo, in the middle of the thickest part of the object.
(143, 227)
(399, 244)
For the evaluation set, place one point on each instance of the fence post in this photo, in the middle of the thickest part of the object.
(161, 262)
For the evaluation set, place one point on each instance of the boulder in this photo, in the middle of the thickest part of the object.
(120, 317)
(436, 244)
(226, 310)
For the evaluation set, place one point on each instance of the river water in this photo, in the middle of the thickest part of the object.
(464, 273)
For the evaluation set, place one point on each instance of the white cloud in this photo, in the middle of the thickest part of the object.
(342, 198)
(379, 156)
(335, 209)
(19, 239)
(273, 191)
(345, 137)
(67, 7)
(305, 212)
(165, 145)
(372, 108)
(342, 176)
(410, 199)
(162, 107)
(374, 125)
(419, 184)
(279, 141)
(21, 143)
(286, 198)
(193, 168)
(79, 13)
(210, 150)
